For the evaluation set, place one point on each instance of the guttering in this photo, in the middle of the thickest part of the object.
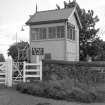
(46, 22)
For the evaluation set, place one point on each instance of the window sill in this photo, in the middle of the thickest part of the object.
(71, 40)
(59, 39)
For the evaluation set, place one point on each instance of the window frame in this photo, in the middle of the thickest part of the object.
(71, 32)
(50, 35)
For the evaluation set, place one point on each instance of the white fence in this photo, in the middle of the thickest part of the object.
(17, 72)
(12, 72)
(3, 72)
(32, 71)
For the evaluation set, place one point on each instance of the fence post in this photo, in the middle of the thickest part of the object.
(40, 70)
(6, 73)
(9, 72)
(37, 59)
(24, 72)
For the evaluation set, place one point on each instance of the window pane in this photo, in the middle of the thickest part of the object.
(52, 32)
(68, 32)
(44, 33)
(32, 34)
(60, 32)
(69, 35)
(38, 33)
(73, 34)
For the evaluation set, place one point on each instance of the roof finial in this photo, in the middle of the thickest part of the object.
(74, 0)
(36, 7)
(65, 4)
(58, 7)
(75, 3)
(69, 1)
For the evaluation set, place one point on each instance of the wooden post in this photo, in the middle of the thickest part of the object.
(24, 72)
(9, 72)
(6, 73)
(37, 58)
(40, 70)
(65, 42)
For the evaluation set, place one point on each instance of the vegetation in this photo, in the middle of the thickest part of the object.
(90, 43)
(57, 90)
(2, 59)
(18, 51)
(62, 90)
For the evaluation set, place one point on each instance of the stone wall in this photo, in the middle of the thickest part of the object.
(81, 71)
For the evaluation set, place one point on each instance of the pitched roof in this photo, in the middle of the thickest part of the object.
(50, 15)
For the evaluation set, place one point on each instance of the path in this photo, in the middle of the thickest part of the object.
(12, 97)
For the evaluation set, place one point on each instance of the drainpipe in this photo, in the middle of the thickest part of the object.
(65, 42)
(30, 52)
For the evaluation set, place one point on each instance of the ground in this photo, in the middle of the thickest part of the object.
(13, 97)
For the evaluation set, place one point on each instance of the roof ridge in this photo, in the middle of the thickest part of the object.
(54, 10)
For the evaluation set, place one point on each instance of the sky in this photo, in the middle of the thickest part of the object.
(14, 14)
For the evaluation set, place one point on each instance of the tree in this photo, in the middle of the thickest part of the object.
(88, 32)
(100, 45)
(2, 59)
(17, 50)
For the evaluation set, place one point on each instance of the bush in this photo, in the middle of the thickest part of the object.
(100, 96)
(56, 90)
(80, 95)
(31, 88)
(49, 89)
(52, 89)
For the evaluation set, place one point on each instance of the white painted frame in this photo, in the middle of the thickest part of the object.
(39, 70)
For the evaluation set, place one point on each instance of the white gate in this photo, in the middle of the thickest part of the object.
(32, 71)
(22, 71)
(3, 72)
(15, 72)
(6, 72)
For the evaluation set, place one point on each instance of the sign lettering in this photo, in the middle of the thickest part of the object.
(37, 51)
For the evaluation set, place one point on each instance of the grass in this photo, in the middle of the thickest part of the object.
(13, 97)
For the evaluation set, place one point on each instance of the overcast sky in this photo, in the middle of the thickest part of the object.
(14, 14)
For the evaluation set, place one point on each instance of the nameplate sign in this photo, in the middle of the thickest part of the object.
(37, 51)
